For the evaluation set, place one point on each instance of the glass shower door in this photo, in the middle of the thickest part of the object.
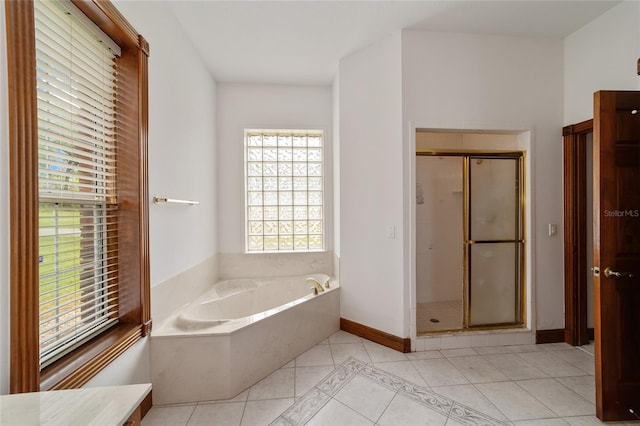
(494, 241)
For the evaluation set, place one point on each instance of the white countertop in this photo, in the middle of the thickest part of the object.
(111, 405)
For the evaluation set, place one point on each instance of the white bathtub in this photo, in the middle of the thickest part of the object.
(236, 333)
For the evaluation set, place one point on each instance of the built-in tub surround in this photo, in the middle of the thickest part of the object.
(182, 289)
(236, 333)
(250, 265)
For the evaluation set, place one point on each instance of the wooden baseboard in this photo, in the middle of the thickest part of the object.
(381, 337)
(550, 336)
(591, 334)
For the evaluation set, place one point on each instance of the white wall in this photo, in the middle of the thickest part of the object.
(248, 106)
(602, 55)
(4, 212)
(371, 264)
(182, 143)
(335, 95)
(464, 81)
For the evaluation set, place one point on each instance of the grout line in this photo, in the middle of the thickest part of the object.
(386, 408)
(580, 395)
(491, 402)
(191, 415)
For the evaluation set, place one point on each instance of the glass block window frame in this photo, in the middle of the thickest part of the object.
(284, 191)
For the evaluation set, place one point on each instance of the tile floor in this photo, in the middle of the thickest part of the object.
(346, 380)
(448, 314)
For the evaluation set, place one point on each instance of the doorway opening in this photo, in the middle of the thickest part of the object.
(469, 239)
(578, 233)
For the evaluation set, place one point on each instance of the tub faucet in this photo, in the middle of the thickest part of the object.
(317, 285)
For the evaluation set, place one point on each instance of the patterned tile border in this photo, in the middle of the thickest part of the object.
(316, 398)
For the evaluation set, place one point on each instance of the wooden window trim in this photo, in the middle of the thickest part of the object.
(575, 225)
(80, 366)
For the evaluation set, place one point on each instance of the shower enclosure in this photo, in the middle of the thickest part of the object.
(470, 240)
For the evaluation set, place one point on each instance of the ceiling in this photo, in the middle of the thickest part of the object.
(301, 42)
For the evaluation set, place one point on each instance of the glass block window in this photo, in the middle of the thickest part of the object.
(284, 190)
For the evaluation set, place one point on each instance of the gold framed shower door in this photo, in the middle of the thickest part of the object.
(470, 243)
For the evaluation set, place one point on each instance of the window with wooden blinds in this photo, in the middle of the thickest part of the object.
(78, 262)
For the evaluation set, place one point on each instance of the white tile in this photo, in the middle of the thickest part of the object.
(515, 367)
(477, 369)
(552, 365)
(541, 422)
(526, 348)
(455, 342)
(223, 414)
(290, 364)
(479, 340)
(432, 344)
(583, 421)
(581, 359)
(317, 355)
(403, 369)
(336, 413)
(366, 397)
(587, 367)
(342, 336)
(342, 351)
(404, 411)
(494, 339)
(589, 348)
(168, 416)
(509, 339)
(439, 372)
(525, 338)
(584, 386)
(574, 356)
(594, 421)
(514, 402)
(418, 345)
(241, 397)
(280, 384)
(424, 355)
(471, 397)
(450, 353)
(261, 413)
(559, 398)
(307, 377)
(490, 350)
(379, 353)
(560, 346)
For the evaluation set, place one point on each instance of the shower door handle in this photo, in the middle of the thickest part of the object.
(608, 272)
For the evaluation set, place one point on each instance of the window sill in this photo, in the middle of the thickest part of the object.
(318, 251)
(78, 367)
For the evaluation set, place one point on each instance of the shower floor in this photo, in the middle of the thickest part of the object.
(448, 315)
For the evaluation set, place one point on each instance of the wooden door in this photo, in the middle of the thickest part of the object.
(616, 254)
